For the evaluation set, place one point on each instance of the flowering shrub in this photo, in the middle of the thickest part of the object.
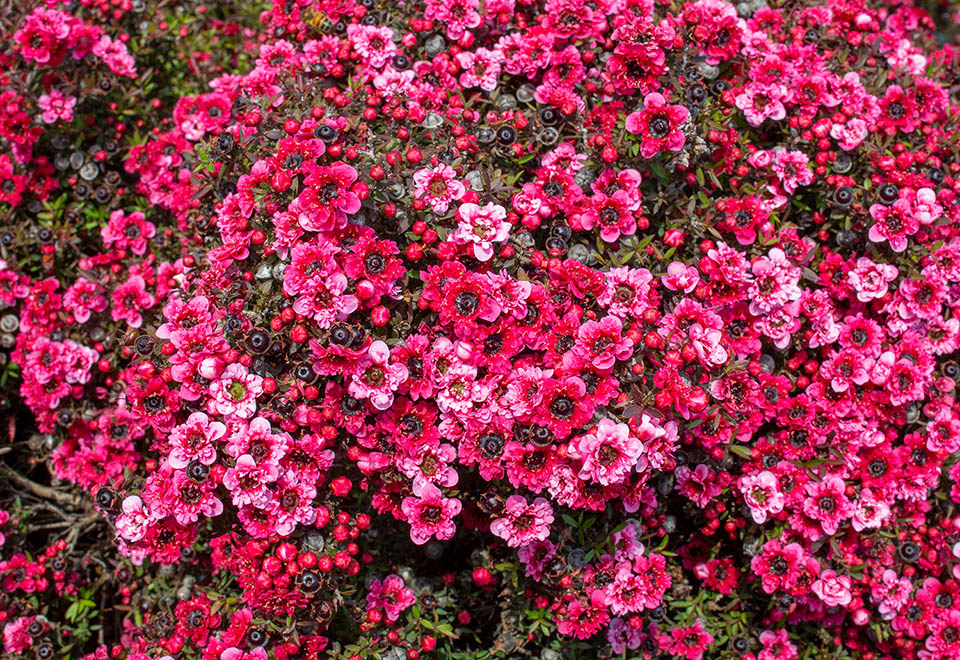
(504, 329)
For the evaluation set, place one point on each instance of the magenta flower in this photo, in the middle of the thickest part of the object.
(129, 300)
(248, 482)
(391, 595)
(599, 343)
(127, 232)
(658, 125)
(523, 523)
(327, 199)
(430, 514)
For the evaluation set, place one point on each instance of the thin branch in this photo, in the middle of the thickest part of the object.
(46, 492)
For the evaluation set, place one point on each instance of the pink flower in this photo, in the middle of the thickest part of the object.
(127, 232)
(760, 102)
(391, 595)
(827, 503)
(608, 455)
(129, 299)
(439, 186)
(16, 637)
(832, 589)
(327, 198)
(658, 125)
(871, 280)
(375, 378)
(430, 514)
(792, 170)
(482, 227)
(235, 392)
(233, 653)
(850, 135)
(481, 68)
(893, 224)
(891, 593)
(681, 277)
(195, 440)
(523, 522)
(762, 495)
(56, 107)
(248, 482)
(132, 523)
(599, 343)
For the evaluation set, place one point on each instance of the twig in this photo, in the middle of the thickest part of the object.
(74, 535)
(46, 492)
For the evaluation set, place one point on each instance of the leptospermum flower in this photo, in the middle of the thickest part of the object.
(482, 227)
(56, 107)
(681, 277)
(438, 187)
(608, 454)
(327, 199)
(376, 378)
(195, 439)
(391, 595)
(658, 125)
(599, 343)
(235, 392)
(871, 280)
(762, 494)
(522, 522)
(248, 481)
(893, 224)
(832, 589)
(430, 514)
(129, 301)
(134, 520)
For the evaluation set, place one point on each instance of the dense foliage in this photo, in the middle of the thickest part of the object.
(479, 329)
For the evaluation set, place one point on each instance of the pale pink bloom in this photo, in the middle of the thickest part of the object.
(608, 455)
(56, 107)
(235, 392)
(133, 522)
(850, 135)
(439, 186)
(926, 209)
(870, 280)
(375, 378)
(482, 226)
(832, 589)
(762, 495)
(681, 277)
